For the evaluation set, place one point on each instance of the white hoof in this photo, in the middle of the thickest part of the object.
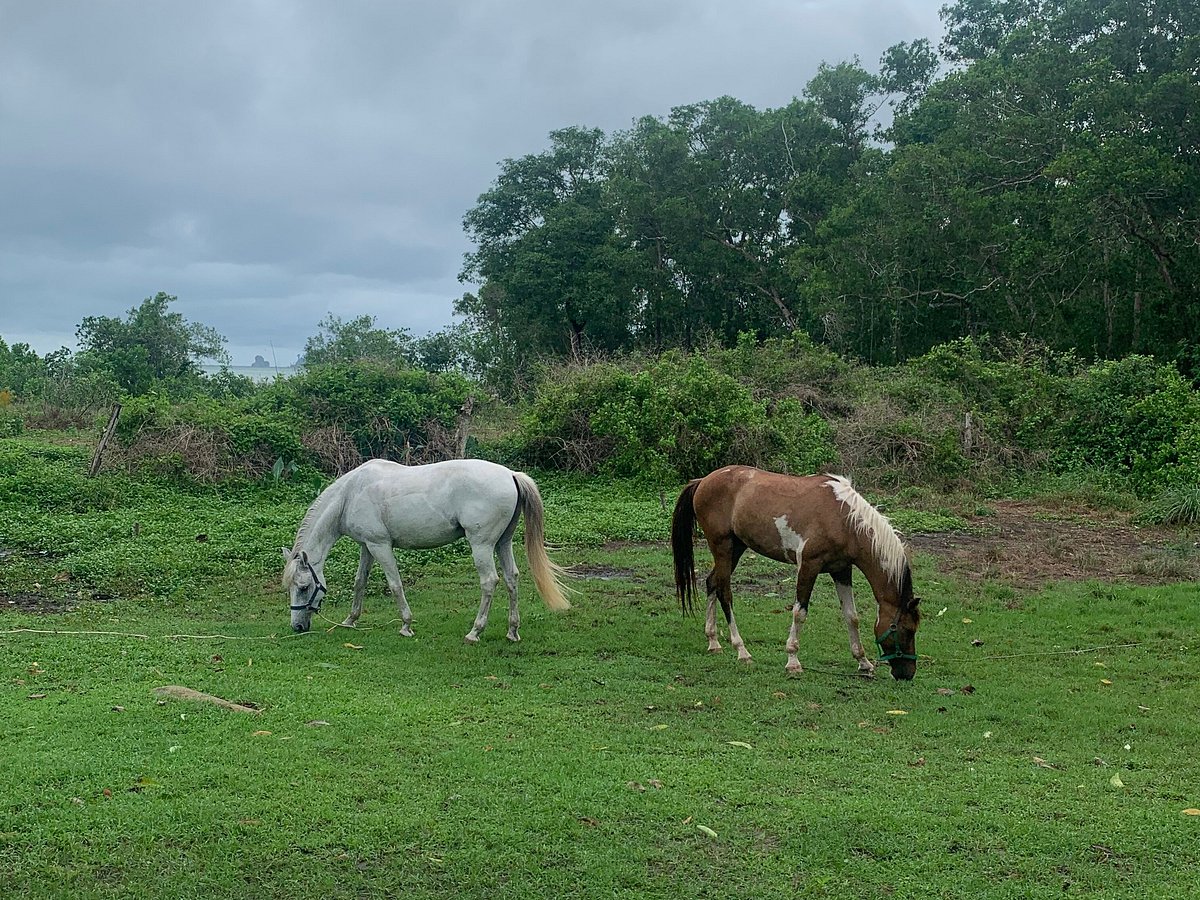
(471, 638)
(406, 631)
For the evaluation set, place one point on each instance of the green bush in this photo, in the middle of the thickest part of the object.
(678, 418)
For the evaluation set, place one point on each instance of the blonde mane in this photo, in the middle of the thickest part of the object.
(886, 545)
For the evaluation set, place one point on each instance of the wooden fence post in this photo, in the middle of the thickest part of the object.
(104, 439)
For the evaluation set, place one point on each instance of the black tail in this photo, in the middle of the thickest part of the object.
(683, 525)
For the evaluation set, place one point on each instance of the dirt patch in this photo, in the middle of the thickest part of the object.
(34, 603)
(1028, 544)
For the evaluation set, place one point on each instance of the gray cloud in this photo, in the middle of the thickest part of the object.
(269, 162)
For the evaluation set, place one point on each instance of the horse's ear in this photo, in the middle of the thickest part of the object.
(915, 602)
(287, 554)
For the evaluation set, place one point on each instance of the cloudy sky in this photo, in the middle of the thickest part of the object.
(272, 161)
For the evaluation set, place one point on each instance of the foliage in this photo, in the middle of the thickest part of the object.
(340, 342)
(1044, 184)
(152, 345)
(679, 417)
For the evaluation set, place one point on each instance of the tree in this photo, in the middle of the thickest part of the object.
(342, 341)
(151, 345)
(547, 247)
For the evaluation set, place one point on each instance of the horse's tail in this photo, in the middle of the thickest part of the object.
(547, 574)
(683, 524)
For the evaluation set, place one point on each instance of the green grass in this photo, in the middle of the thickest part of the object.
(580, 762)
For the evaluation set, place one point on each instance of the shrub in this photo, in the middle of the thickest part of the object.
(678, 418)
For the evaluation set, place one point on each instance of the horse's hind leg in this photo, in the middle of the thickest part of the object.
(508, 566)
(382, 554)
(485, 564)
(360, 586)
(720, 589)
(845, 592)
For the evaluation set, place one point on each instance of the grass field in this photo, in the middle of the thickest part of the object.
(1045, 748)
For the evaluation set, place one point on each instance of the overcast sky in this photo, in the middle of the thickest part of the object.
(272, 161)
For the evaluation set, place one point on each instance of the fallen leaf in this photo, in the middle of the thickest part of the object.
(655, 783)
(967, 688)
(1045, 765)
(635, 786)
(779, 695)
(1191, 811)
(658, 727)
(942, 611)
(704, 829)
(350, 646)
(688, 820)
(316, 722)
(918, 762)
(1105, 681)
(36, 697)
(1099, 665)
(78, 801)
(968, 621)
(588, 820)
(118, 709)
(946, 692)
(260, 733)
(740, 744)
(1116, 781)
(1144, 708)
(107, 792)
(987, 734)
(976, 643)
(897, 712)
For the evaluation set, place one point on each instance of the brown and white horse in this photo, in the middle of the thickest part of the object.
(818, 523)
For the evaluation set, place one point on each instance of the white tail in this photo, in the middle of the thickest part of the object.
(547, 574)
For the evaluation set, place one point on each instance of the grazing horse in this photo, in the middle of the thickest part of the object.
(818, 523)
(383, 504)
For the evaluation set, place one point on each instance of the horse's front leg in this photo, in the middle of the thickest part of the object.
(360, 586)
(845, 592)
(382, 554)
(485, 563)
(804, 587)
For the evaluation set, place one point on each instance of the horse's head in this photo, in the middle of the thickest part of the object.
(304, 586)
(896, 631)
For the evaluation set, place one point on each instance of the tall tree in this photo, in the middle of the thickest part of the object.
(151, 344)
(547, 242)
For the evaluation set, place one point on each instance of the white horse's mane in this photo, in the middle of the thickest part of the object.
(323, 500)
(885, 542)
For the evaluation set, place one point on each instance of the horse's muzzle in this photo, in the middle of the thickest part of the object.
(903, 670)
(301, 627)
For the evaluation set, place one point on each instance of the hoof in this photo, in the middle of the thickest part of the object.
(716, 649)
(471, 638)
(406, 631)
(745, 657)
(867, 671)
(348, 623)
(794, 669)
(514, 637)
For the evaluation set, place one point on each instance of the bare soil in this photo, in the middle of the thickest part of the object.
(1027, 544)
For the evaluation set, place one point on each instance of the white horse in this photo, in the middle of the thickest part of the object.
(383, 504)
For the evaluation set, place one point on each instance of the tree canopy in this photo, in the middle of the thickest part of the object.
(1039, 175)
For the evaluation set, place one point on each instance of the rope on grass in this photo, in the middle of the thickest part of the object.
(146, 637)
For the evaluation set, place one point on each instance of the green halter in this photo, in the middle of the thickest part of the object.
(897, 653)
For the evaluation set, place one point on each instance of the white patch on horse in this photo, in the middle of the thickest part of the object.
(789, 540)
